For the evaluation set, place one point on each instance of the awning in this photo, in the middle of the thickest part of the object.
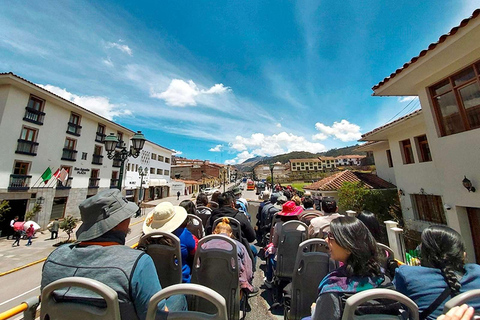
(157, 182)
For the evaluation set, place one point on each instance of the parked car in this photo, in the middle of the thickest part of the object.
(209, 191)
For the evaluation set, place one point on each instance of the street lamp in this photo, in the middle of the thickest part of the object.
(271, 171)
(138, 140)
(224, 176)
(141, 172)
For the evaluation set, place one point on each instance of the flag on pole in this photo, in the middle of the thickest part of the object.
(56, 174)
(47, 175)
(63, 176)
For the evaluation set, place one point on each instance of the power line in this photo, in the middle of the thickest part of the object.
(415, 99)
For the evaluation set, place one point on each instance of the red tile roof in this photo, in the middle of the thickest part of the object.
(410, 115)
(432, 46)
(334, 182)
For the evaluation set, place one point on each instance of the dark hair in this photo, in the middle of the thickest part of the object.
(351, 234)
(308, 202)
(189, 206)
(370, 221)
(215, 196)
(329, 205)
(202, 199)
(443, 248)
(225, 199)
(287, 194)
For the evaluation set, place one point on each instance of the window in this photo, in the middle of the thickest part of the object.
(136, 168)
(128, 167)
(423, 149)
(114, 179)
(20, 179)
(74, 126)
(94, 178)
(428, 208)
(166, 172)
(160, 158)
(97, 157)
(152, 170)
(84, 155)
(27, 143)
(167, 160)
(69, 152)
(456, 101)
(154, 156)
(389, 159)
(34, 110)
(159, 171)
(100, 136)
(407, 151)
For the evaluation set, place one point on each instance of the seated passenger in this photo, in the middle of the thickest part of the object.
(101, 254)
(213, 203)
(203, 211)
(351, 243)
(308, 207)
(244, 262)
(443, 272)
(189, 206)
(320, 225)
(169, 218)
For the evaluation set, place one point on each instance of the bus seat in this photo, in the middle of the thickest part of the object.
(359, 298)
(234, 223)
(461, 299)
(195, 226)
(311, 266)
(292, 234)
(387, 259)
(217, 269)
(189, 289)
(52, 309)
(204, 216)
(164, 249)
(308, 216)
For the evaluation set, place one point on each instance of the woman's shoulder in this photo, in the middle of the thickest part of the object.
(416, 272)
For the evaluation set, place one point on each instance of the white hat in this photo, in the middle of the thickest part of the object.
(165, 217)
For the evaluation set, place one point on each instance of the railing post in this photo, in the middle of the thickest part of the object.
(395, 239)
(31, 312)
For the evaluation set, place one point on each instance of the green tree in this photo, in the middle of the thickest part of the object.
(352, 196)
(384, 204)
(4, 208)
(68, 225)
(33, 212)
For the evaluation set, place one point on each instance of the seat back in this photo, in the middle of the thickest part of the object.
(234, 223)
(291, 235)
(164, 249)
(189, 289)
(216, 266)
(311, 266)
(53, 309)
(204, 213)
(357, 299)
(195, 226)
(306, 217)
(461, 299)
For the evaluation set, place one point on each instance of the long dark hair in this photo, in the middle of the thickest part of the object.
(351, 234)
(443, 248)
(370, 221)
(189, 206)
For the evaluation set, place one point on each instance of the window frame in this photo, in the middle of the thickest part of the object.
(423, 149)
(427, 207)
(407, 151)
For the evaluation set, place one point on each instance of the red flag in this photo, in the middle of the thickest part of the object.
(56, 174)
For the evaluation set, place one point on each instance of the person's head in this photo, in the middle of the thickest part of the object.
(224, 228)
(225, 200)
(31, 224)
(237, 193)
(165, 217)
(443, 248)
(308, 202)
(351, 242)
(297, 200)
(215, 196)
(202, 199)
(266, 195)
(281, 200)
(105, 211)
(16, 218)
(287, 194)
(329, 205)
(290, 211)
(189, 206)
(370, 221)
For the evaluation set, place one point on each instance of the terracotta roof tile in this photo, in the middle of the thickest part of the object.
(410, 115)
(334, 182)
(432, 46)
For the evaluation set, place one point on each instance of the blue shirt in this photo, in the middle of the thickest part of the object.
(187, 245)
(423, 285)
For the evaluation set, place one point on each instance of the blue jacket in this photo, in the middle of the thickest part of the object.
(423, 285)
(187, 246)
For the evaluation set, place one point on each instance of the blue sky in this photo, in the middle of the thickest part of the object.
(227, 80)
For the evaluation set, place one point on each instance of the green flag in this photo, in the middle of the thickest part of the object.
(46, 175)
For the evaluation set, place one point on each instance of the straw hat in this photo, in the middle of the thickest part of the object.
(165, 217)
(289, 209)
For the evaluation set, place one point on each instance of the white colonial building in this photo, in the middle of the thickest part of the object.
(41, 130)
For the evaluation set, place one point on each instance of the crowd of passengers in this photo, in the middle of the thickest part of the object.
(100, 253)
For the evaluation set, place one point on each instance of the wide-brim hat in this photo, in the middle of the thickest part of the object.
(236, 190)
(289, 208)
(164, 217)
(103, 212)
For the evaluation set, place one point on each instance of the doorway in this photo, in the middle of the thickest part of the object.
(17, 208)
(474, 220)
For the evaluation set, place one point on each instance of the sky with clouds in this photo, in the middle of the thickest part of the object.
(227, 80)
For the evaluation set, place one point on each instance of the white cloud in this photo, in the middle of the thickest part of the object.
(343, 130)
(108, 62)
(217, 148)
(176, 152)
(278, 125)
(122, 47)
(181, 93)
(241, 157)
(98, 105)
(406, 99)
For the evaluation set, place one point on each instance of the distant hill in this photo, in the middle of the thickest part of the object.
(249, 164)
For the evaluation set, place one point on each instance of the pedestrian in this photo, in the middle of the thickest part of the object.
(12, 229)
(17, 234)
(55, 225)
(178, 195)
(30, 233)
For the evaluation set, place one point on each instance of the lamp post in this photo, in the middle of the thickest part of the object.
(141, 172)
(224, 176)
(138, 140)
(271, 171)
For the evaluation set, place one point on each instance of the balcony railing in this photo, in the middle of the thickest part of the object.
(34, 115)
(67, 185)
(19, 182)
(116, 163)
(74, 129)
(27, 147)
(113, 183)
(69, 154)
(93, 182)
(100, 137)
(97, 159)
